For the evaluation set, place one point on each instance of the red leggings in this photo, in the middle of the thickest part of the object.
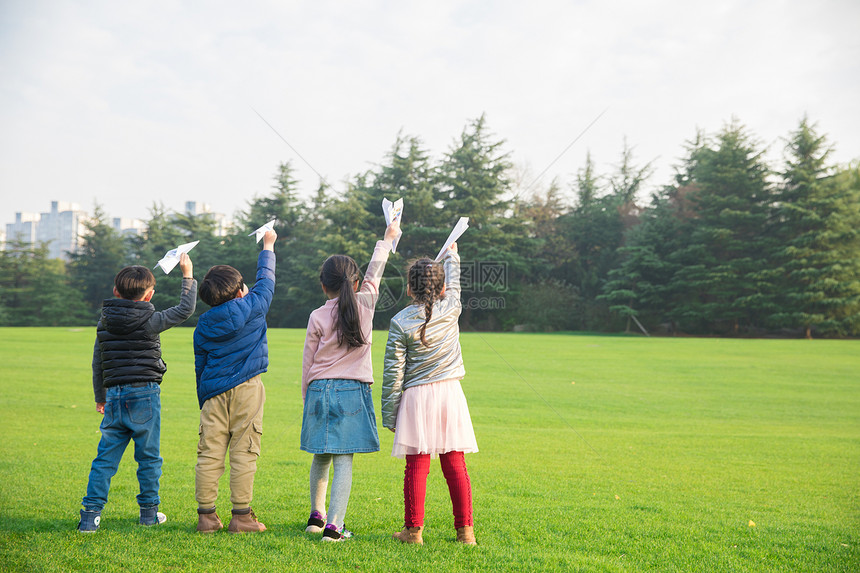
(415, 487)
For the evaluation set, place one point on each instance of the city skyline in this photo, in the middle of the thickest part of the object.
(63, 227)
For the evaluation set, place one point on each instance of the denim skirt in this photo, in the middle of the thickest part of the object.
(338, 418)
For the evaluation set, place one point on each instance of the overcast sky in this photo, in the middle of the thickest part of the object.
(131, 103)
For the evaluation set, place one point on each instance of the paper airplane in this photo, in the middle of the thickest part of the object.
(393, 212)
(270, 226)
(458, 230)
(171, 259)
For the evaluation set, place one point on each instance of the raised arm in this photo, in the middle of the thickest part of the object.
(162, 320)
(369, 292)
(264, 287)
(452, 275)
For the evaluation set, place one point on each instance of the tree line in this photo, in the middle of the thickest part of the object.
(730, 246)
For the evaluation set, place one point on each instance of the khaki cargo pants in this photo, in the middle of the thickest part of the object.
(230, 421)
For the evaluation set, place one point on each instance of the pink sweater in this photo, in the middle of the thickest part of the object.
(323, 357)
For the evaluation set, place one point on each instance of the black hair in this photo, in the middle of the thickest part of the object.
(338, 275)
(221, 283)
(132, 282)
(426, 280)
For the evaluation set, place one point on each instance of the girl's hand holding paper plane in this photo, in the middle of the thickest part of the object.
(458, 230)
(393, 212)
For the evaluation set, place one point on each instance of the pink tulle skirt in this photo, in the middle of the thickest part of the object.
(433, 419)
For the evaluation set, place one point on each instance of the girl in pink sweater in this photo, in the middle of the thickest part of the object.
(338, 419)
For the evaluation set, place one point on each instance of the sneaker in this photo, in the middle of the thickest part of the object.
(89, 522)
(316, 522)
(332, 533)
(149, 515)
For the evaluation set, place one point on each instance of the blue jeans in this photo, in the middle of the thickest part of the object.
(131, 413)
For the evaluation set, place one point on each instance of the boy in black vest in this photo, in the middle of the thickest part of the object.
(127, 371)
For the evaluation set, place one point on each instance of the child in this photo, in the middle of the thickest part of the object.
(127, 371)
(422, 401)
(230, 354)
(338, 418)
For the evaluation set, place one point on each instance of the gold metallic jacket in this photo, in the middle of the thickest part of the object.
(408, 362)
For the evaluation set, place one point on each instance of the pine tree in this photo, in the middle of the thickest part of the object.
(474, 181)
(474, 177)
(296, 249)
(817, 259)
(408, 173)
(728, 245)
(594, 230)
(102, 254)
(36, 290)
(641, 284)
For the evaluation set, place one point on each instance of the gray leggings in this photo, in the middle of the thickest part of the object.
(341, 484)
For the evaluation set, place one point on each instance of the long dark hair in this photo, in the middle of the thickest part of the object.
(426, 281)
(338, 275)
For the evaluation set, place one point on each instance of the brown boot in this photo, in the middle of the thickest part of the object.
(466, 535)
(410, 535)
(208, 521)
(244, 521)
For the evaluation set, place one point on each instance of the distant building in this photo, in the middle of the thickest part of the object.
(197, 209)
(24, 227)
(129, 227)
(60, 229)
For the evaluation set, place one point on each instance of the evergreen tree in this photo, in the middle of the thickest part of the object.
(594, 230)
(817, 258)
(101, 255)
(408, 173)
(35, 290)
(728, 244)
(474, 177)
(474, 180)
(626, 184)
(641, 284)
(297, 276)
(541, 216)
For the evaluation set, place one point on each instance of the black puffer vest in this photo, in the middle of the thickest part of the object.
(129, 353)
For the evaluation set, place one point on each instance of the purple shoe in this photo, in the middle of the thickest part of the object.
(315, 522)
(332, 533)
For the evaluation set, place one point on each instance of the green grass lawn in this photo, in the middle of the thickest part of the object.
(597, 454)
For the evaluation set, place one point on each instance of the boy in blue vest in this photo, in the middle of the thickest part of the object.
(127, 371)
(230, 354)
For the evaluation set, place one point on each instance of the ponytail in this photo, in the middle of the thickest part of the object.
(338, 274)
